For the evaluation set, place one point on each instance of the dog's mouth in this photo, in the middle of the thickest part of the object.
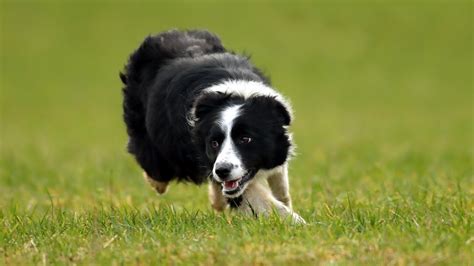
(232, 188)
(231, 185)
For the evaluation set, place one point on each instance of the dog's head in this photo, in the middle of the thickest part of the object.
(238, 135)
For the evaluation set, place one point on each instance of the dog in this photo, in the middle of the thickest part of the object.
(197, 112)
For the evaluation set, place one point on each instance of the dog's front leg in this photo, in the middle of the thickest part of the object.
(279, 184)
(258, 200)
(218, 201)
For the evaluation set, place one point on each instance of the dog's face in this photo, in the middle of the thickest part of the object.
(237, 137)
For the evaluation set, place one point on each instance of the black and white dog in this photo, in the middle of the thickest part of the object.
(194, 110)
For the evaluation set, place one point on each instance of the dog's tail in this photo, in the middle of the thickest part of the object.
(157, 50)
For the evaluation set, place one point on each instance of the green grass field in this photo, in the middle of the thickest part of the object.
(383, 99)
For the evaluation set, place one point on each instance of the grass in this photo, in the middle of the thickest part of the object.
(383, 95)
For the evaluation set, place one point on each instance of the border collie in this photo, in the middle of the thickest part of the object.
(195, 111)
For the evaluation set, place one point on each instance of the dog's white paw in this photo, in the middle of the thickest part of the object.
(296, 219)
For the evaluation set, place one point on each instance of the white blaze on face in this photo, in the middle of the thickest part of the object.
(228, 153)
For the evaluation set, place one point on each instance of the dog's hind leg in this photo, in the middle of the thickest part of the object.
(160, 187)
(218, 201)
(279, 184)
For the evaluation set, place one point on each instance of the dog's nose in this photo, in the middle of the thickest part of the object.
(223, 170)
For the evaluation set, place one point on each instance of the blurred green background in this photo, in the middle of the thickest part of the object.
(382, 93)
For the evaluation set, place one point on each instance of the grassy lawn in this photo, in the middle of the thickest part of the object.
(383, 99)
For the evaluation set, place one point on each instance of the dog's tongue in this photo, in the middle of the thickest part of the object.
(231, 184)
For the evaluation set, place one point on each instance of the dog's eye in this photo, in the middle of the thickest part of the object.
(214, 144)
(245, 140)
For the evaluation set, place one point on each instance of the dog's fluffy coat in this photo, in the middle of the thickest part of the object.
(194, 110)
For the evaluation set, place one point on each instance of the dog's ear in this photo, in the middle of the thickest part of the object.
(207, 103)
(279, 109)
(283, 112)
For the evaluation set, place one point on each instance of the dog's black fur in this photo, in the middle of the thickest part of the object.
(165, 78)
